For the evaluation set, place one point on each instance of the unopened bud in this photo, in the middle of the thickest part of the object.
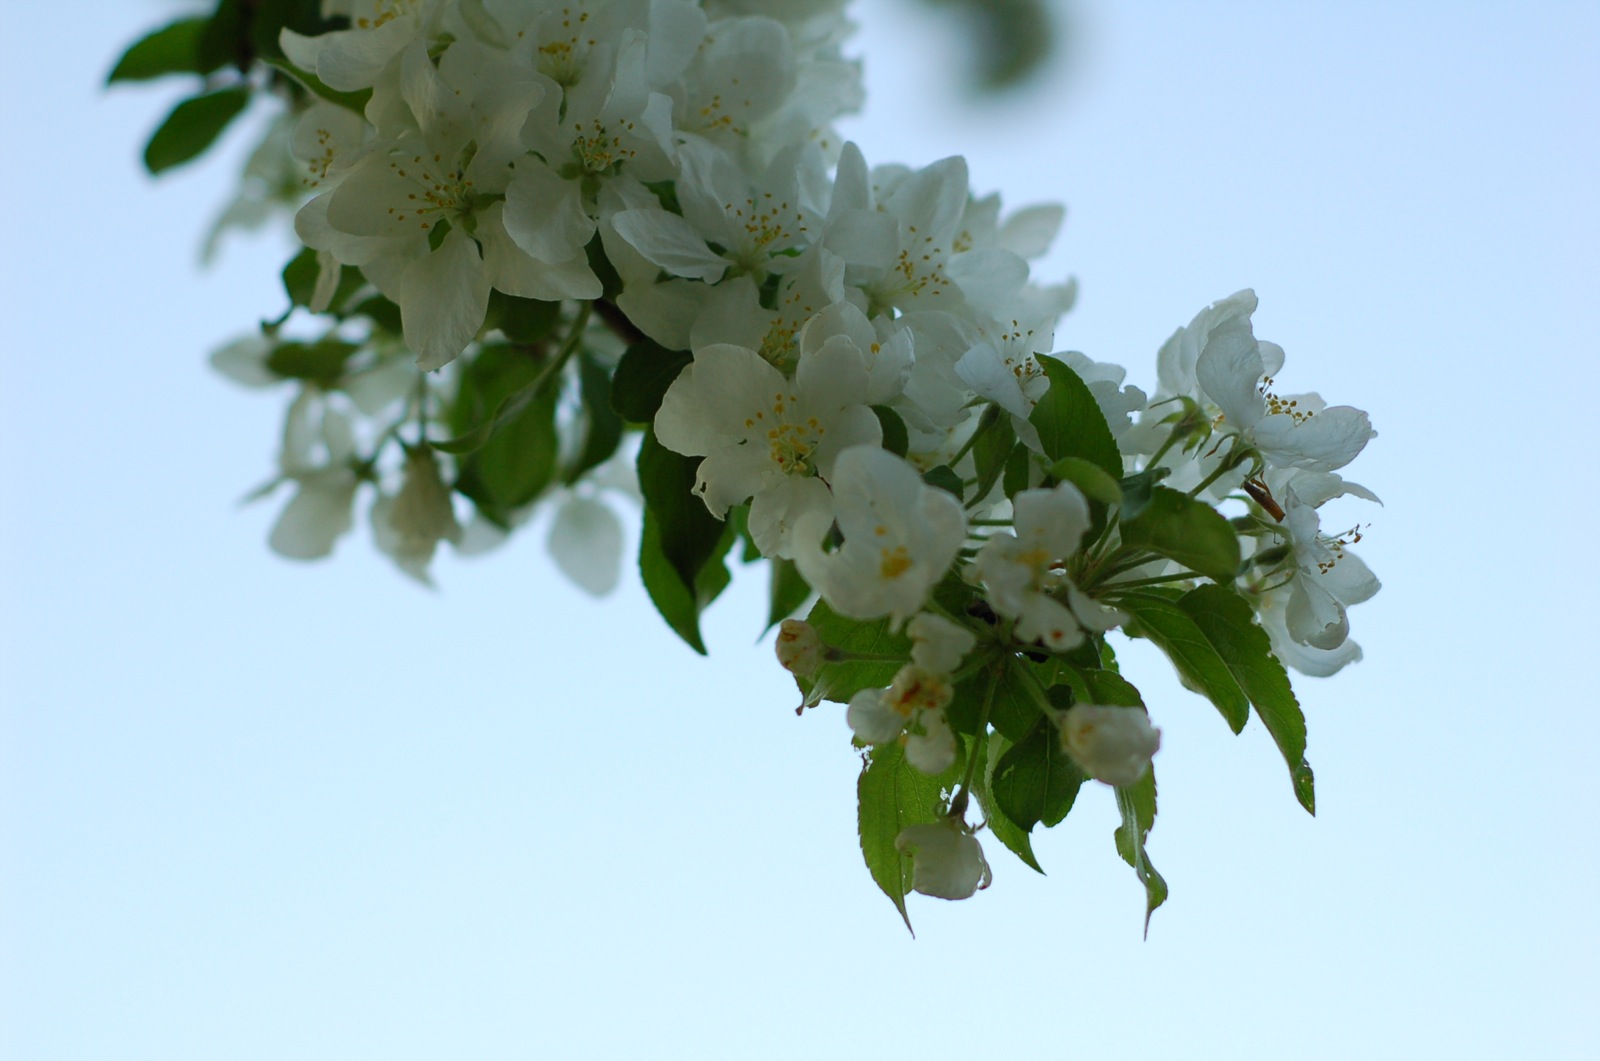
(1111, 744)
(799, 648)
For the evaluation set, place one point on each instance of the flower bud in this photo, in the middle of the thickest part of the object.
(1111, 744)
(799, 648)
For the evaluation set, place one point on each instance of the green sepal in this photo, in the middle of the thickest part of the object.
(1158, 618)
(1070, 422)
(1137, 804)
(839, 680)
(642, 377)
(891, 794)
(1178, 527)
(193, 126)
(689, 533)
(172, 49)
(678, 604)
(895, 438)
(320, 362)
(1228, 622)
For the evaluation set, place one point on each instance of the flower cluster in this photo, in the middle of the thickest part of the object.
(561, 250)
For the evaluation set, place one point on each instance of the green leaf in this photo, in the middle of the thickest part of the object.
(992, 444)
(895, 438)
(352, 101)
(222, 40)
(1013, 836)
(1035, 780)
(1137, 803)
(192, 127)
(689, 532)
(1089, 478)
(602, 426)
(787, 591)
(839, 680)
(1199, 667)
(511, 456)
(1012, 712)
(524, 321)
(1019, 471)
(382, 312)
(321, 362)
(1227, 621)
(173, 49)
(892, 794)
(643, 375)
(300, 280)
(678, 604)
(1070, 423)
(1137, 490)
(945, 478)
(1191, 532)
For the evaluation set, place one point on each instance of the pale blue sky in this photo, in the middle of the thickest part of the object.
(254, 810)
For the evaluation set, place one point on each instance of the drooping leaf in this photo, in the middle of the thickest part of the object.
(1070, 422)
(1191, 532)
(642, 377)
(689, 532)
(890, 795)
(1199, 666)
(1013, 836)
(192, 127)
(678, 604)
(786, 592)
(172, 49)
(300, 280)
(1227, 621)
(1137, 804)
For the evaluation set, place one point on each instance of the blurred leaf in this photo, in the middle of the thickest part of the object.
(192, 127)
(1008, 832)
(524, 321)
(992, 444)
(173, 49)
(321, 362)
(1090, 478)
(602, 426)
(511, 456)
(945, 478)
(352, 101)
